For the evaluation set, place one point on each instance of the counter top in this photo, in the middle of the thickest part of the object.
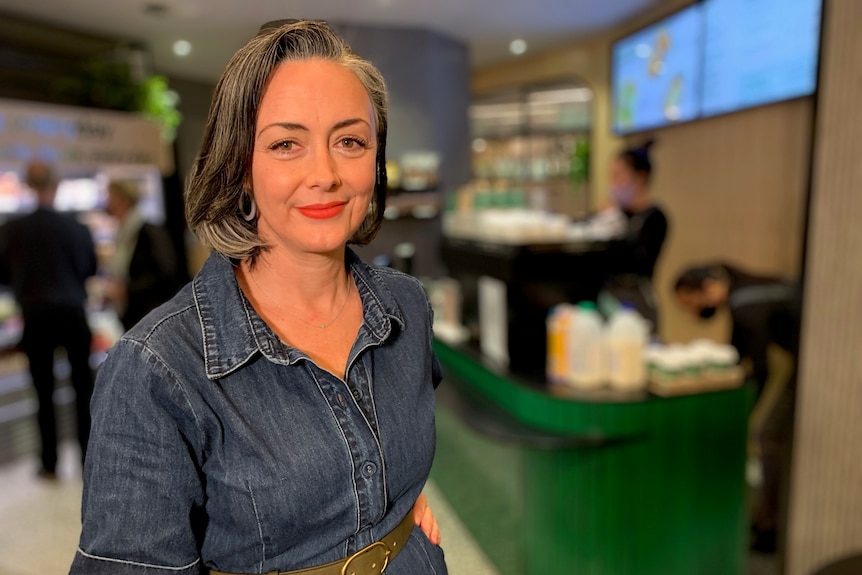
(556, 409)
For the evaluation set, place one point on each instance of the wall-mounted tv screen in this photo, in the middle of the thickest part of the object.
(758, 51)
(656, 73)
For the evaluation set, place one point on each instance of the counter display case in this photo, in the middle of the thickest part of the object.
(597, 484)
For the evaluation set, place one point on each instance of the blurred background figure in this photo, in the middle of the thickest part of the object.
(632, 264)
(143, 271)
(765, 313)
(47, 257)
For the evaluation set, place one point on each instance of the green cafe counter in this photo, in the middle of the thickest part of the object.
(598, 484)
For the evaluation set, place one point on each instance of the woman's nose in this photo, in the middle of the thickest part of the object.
(323, 171)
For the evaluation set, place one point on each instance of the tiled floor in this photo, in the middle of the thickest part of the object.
(40, 521)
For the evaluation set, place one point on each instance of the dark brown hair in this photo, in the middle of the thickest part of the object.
(638, 160)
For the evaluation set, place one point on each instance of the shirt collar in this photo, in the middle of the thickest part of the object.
(233, 332)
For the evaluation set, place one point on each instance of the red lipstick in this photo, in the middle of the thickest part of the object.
(322, 211)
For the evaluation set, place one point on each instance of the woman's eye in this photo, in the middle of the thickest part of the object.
(285, 145)
(351, 143)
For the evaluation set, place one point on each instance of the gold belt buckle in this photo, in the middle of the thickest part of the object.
(371, 560)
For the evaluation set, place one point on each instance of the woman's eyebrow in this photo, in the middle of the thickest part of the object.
(285, 125)
(348, 123)
(294, 126)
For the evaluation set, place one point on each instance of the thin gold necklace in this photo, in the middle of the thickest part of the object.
(303, 320)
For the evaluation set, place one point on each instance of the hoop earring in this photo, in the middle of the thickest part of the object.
(251, 214)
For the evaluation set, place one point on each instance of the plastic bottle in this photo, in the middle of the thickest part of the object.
(558, 327)
(586, 348)
(627, 337)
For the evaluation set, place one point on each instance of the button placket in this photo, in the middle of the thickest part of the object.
(364, 453)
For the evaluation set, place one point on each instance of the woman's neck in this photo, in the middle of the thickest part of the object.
(298, 281)
(641, 202)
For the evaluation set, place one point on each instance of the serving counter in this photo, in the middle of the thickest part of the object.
(550, 482)
(537, 277)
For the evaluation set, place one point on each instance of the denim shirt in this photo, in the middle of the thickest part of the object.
(217, 446)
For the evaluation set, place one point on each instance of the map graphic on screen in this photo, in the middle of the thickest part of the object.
(758, 51)
(656, 73)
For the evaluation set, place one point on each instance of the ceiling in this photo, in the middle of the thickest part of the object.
(217, 28)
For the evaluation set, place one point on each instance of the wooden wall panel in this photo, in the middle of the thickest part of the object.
(826, 493)
(734, 189)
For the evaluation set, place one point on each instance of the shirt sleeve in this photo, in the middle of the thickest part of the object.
(143, 503)
(751, 338)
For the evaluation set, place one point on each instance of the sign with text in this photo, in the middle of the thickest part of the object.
(72, 137)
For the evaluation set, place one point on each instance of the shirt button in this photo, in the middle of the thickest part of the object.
(369, 469)
(357, 394)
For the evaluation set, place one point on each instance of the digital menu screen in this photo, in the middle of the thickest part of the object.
(657, 73)
(758, 51)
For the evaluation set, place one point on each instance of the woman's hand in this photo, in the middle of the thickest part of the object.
(424, 518)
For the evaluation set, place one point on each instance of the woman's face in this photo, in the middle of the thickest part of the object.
(621, 174)
(624, 190)
(117, 205)
(313, 164)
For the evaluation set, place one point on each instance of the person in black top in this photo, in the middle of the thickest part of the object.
(765, 311)
(143, 269)
(631, 264)
(47, 257)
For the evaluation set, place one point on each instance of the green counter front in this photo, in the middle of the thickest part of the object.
(600, 485)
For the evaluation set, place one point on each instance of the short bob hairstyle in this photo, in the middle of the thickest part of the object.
(216, 194)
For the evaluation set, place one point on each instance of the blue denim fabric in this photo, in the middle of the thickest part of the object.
(217, 446)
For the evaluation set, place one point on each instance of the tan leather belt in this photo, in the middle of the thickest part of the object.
(371, 560)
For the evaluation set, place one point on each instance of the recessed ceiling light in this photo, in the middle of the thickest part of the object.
(517, 46)
(182, 48)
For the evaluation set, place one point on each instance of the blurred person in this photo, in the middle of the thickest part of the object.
(143, 269)
(47, 257)
(277, 413)
(632, 261)
(765, 312)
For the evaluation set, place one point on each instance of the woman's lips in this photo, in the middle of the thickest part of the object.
(322, 211)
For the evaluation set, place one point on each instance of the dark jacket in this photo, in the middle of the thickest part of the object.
(153, 277)
(765, 311)
(47, 257)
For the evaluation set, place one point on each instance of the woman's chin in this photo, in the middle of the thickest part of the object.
(324, 243)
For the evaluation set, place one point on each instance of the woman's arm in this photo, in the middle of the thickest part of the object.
(143, 503)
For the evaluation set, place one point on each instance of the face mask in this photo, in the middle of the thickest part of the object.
(707, 312)
(623, 195)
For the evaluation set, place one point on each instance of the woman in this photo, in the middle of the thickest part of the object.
(143, 269)
(278, 413)
(632, 263)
